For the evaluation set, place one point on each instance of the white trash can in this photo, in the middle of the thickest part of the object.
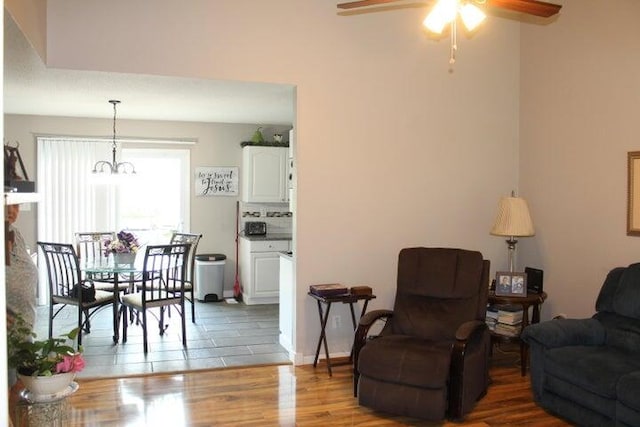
(209, 284)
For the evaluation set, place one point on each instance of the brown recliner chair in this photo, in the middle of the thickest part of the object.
(431, 359)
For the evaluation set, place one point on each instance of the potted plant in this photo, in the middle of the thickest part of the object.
(45, 367)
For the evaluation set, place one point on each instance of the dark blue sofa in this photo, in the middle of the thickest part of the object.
(588, 370)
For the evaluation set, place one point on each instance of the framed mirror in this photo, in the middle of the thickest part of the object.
(633, 193)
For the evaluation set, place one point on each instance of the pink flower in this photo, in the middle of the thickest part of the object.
(70, 363)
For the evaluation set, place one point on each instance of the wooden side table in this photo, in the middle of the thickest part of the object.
(324, 317)
(531, 300)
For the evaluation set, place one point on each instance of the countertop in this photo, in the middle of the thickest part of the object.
(269, 236)
(286, 255)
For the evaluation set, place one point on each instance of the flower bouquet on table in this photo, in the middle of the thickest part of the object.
(124, 243)
(123, 248)
(45, 367)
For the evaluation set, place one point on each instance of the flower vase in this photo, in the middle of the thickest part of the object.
(45, 387)
(124, 258)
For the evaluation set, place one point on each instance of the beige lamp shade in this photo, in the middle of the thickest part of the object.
(513, 218)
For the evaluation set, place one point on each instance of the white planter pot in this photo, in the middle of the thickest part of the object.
(124, 258)
(44, 386)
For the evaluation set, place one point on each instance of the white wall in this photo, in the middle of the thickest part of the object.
(393, 150)
(579, 118)
(217, 145)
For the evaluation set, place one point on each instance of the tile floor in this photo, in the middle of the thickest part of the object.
(224, 335)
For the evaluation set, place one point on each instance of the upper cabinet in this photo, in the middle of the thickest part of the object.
(265, 172)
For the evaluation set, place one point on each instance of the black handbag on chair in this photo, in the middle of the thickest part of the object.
(88, 292)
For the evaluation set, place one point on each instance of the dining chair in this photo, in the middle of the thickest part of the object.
(189, 285)
(162, 286)
(90, 248)
(63, 271)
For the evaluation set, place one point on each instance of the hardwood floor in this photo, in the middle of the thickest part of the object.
(282, 395)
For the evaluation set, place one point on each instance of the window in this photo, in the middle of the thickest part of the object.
(156, 201)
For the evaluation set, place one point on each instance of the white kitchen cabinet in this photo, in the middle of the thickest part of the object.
(260, 270)
(265, 174)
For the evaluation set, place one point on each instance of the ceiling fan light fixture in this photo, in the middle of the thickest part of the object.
(472, 16)
(442, 14)
(446, 12)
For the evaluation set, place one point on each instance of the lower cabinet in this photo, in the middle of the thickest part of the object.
(260, 270)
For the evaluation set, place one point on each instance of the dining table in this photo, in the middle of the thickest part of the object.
(118, 272)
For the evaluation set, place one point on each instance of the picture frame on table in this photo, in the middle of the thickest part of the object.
(512, 284)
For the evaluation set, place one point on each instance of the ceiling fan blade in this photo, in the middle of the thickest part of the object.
(531, 7)
(364, 3)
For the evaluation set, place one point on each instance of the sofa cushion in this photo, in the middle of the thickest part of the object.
(577, 404)
(621, 332)
(628, 390)
(608, 290)
(628, 406)
(625, 301)
(595, 369)
(565, 332)
(401, 359)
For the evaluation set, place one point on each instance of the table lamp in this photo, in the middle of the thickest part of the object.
(513, 220)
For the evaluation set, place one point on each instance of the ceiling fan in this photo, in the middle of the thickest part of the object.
(445, 12)
(531, 7)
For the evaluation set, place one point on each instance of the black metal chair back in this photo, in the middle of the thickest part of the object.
(162, 287)
(64, 274)
(63, 269)
(193, 239)
(90, 246)
(164, 272)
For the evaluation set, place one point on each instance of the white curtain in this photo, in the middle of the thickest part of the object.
(69, 200)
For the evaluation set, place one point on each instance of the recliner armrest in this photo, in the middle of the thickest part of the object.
(362, 331)
(564, 332)
(464, 331)
(369, 318)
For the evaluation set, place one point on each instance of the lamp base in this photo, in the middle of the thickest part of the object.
(511, 245)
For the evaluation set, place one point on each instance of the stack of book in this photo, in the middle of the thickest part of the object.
(328, 290)
(491, 318)
(504, 319)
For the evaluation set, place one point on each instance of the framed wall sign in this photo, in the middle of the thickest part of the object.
(511, 284)
(633, 193)
(216, 181)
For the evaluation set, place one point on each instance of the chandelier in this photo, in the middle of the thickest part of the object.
(114, 167)
(446, 12)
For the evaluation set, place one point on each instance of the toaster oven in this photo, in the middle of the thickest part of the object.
(255, 228)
